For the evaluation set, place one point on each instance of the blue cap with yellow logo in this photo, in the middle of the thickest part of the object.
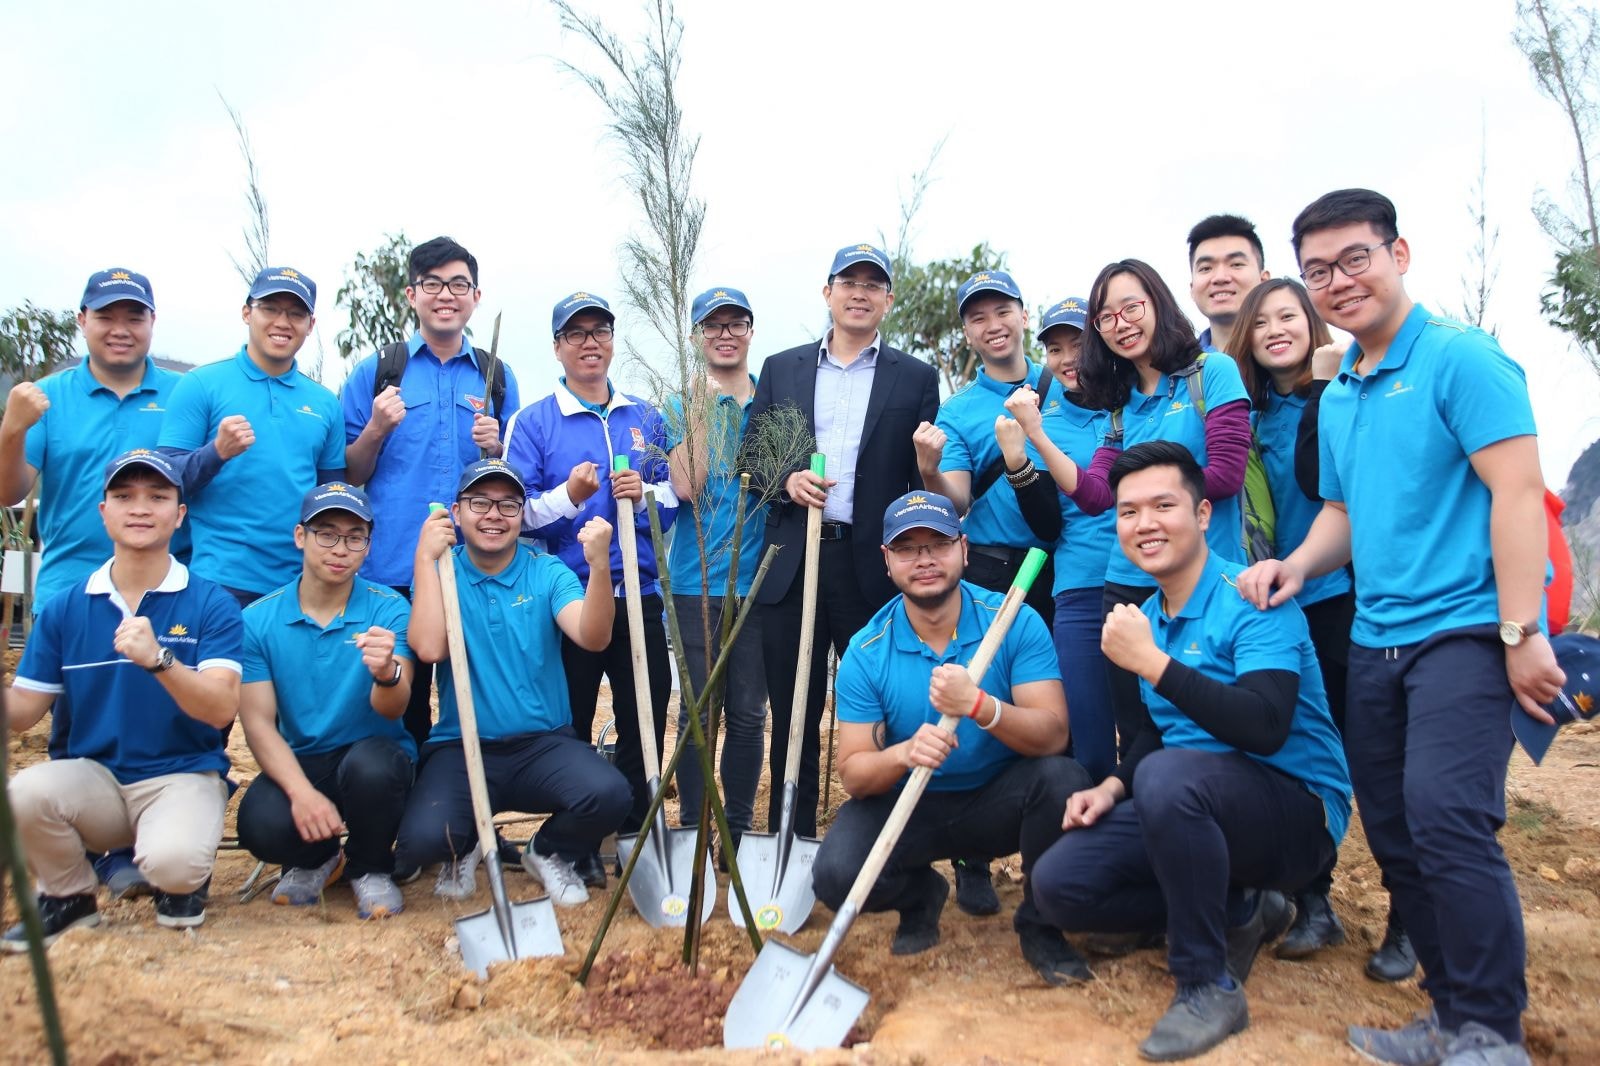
(274, 280)
(712, 299)
(151, 460)
(571, 305)
(335, 496)
(986, 281)
(486, 468)
(861, 253)
(920, 510)
(1073, 311)
(114, 284)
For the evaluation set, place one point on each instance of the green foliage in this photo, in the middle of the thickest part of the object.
(35, 341)
(924, 321)
(1571, 300)
(374, 294)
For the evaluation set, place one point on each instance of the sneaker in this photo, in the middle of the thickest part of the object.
(377, 896)
(1421, 1042)
(1048, 952)
(1270, 919)
(122, 878)
(919, 920)
(1395, 959)
(57, 914)
(182, 910)
(975, 893)
(302, 886)
(458, 880)
(1478, 1045)
(1315, 927)
(559, 879)
(1199, 1018)
(591, 871)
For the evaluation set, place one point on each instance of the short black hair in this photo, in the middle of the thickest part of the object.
(1343, 207)
(1213, 226)
(1106, 378)
(1160, 453)
(437, 252)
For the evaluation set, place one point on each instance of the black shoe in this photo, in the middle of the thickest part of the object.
(1116, 945)
(57, 914)
(1394, 960)
(1315, 927)
(974, 890)
(919, 921)
(1199, 1018)
(1269, 919)
(182, 910)
(591, 871)
(1048, 952)
(510, 854)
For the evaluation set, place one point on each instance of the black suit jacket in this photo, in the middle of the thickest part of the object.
(905, 393)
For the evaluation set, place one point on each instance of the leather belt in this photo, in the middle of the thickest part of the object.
(836, 531)
(1008, 555)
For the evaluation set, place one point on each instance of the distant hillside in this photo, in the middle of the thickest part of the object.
(1583, 485)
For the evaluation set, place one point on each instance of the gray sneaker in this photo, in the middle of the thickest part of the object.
(377, 896)
(1478, 1045)
(559, 879)
(458, 880)
(1421, 1042)
(1199, 1018)
(302, 886)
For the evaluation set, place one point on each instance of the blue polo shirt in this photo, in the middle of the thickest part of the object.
(884, 677)
(1221, 635)
(1087, 541)
(86, 427)
(716, 504)
(422, 459)
(1169, 414)
(513, 645)
(116, 713)
(1395, 446)
(1277, 428)
(967, 419)
(323, 689)
(243, 521)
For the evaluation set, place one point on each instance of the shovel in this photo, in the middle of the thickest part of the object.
(789, 999)
(664, 872)
(508, 930)
(777, 866)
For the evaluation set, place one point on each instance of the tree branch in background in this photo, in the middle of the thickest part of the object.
(257, 233)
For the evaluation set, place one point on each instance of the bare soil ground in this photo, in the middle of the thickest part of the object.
(265, 984)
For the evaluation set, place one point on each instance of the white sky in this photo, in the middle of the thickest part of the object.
(1078, 134)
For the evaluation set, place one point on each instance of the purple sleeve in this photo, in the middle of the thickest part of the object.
(1093, 494)
(1227, 448)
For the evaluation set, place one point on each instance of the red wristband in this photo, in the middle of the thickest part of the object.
(973, 714)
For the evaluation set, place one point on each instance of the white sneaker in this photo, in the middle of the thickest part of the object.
(458, 880)
(558, 877)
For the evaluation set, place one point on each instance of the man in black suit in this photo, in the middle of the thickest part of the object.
(863, 400)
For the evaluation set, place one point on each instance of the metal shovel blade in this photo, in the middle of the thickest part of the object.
(771, 991)
(780, 899)
(534, 932)
(659, 886)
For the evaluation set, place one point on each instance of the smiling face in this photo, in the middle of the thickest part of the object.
(1222, 272)
(994, 325)
(444, 314)
(1159, 525)
(1371, 305)
(279, 325)
(1280, 337)
(1062, 347)
(722, 349)
(118, 335)
(926, 577)
(588, 362)
(141, 510)
(490, 535)
(858, 298)
(336, 565)
(1130, 340)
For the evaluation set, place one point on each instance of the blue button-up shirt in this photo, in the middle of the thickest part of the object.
(841, 416)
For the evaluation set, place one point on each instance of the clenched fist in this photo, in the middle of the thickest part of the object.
(388, 410)
(929, 441)
(595, 539)
(583, 482)
(1023, 405)
(377, 652)
(234, 436)
(26, 405)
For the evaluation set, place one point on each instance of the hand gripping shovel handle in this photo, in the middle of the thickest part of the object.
(808, 624)
(628, 540)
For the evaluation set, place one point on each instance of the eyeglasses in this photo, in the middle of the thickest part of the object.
(482, 504)
(1130, 313)
(740, 328)
(871, 288)
(434, 286)
(327, 538)
(577, 337)
(270, 312)
(908, 552)
(1355, 261)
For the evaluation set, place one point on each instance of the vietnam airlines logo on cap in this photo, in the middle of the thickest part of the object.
(1069, 305)
(178, 630)
(720, 294)
(917, 499)
(498, 462)
(579, 296)
(337, 486)
(981, 276)
(141, 451)
(863, 247)
(292, 275)
(121, 275)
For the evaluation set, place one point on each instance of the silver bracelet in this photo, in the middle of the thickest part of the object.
(996, 719)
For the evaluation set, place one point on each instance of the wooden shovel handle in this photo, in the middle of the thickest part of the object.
(628, 540)
(808, 625)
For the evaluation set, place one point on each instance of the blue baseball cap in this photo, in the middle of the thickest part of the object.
(1578, 655)
(861, 253)
(274, 280)
(153, 460)
(920, 510)
(986, 281)
(571, 305)
(335, 496)
(1073, 311)
(712, 299)
(486, 468)
(113, 284)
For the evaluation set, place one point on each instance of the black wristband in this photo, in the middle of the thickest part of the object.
(393, 681)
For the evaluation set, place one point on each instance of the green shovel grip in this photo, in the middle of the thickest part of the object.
(619, 462)
(819, 463)
(435, 508)
(1031, 565)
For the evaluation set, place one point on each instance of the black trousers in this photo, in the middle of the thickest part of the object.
(419, 712)
(1126, 700)
(1330, 621)
(987, 570)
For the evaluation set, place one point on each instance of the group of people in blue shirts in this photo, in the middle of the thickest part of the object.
(1170, 735)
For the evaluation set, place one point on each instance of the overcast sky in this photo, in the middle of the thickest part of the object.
(1078, 134)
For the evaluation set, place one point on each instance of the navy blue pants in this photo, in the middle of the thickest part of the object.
(1079, 620)
(1428, 734)
(1127, 701)
(1201, 827)
(535, 773)
(744, 712)
(368, 781)
(1019, 810)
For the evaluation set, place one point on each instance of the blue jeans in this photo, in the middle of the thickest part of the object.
(1079, 619)
(744, 713)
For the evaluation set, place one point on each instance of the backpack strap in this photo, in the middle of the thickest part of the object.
(392, 360)
(1196, 382)
(1114, 438)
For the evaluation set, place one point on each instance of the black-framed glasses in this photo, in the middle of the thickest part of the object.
(482, 504)
(578, 337)
(871, 288)
(908, 552)
(433, 286)
(296, 314)
(1355, 261)
(1130, 313)
(740, 328)
(327, 538)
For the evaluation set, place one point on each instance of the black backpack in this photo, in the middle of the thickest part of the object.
(392, 367)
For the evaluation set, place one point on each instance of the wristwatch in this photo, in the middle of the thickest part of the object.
(393, 681)
(163, 663)
(1514, 633)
